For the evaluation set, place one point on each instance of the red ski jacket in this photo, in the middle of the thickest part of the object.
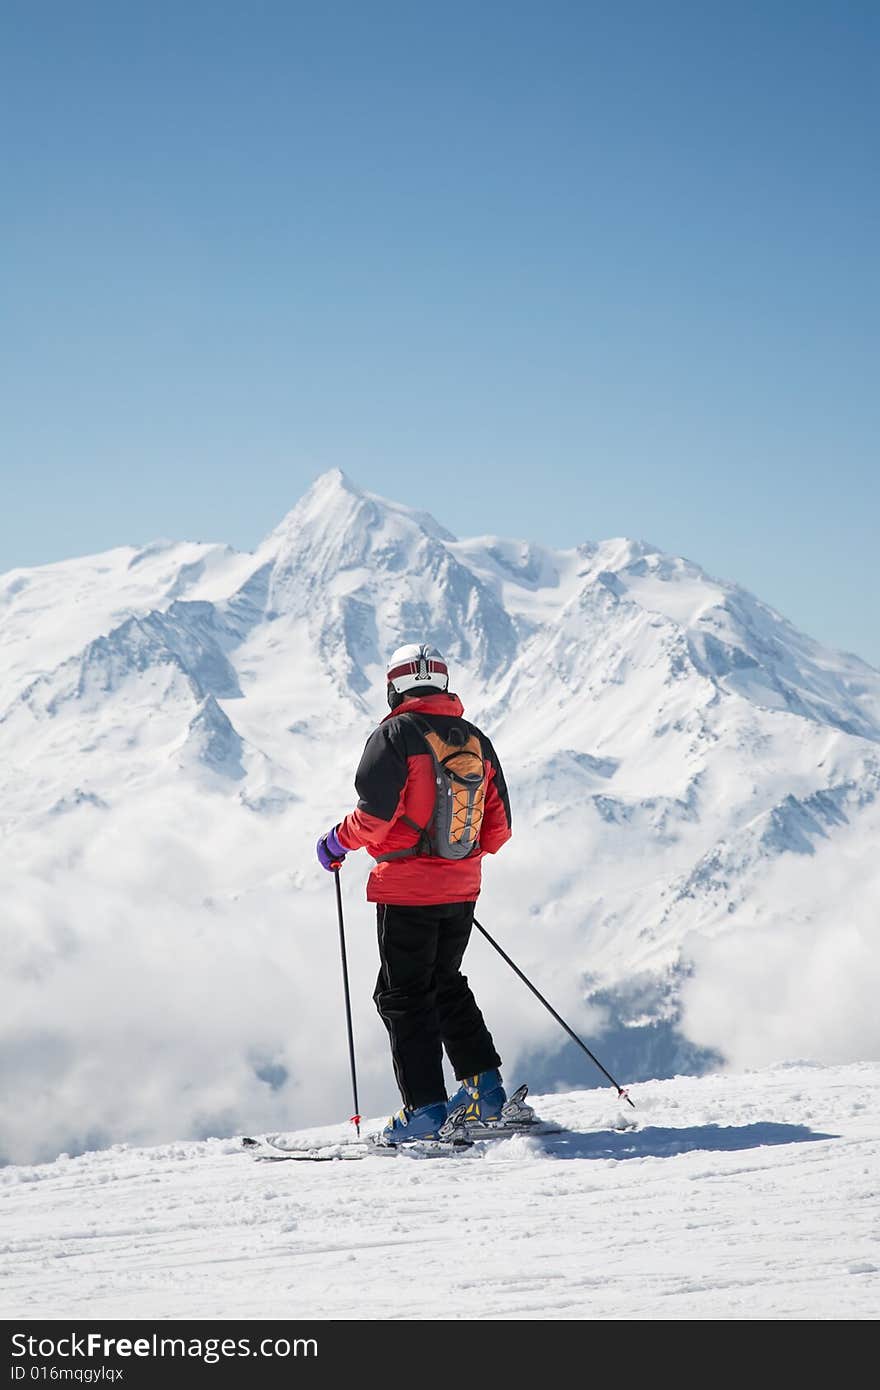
(395, 778)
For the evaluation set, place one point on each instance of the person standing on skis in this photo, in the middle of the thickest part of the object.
(432, 802)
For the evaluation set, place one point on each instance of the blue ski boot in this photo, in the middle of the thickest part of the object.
(483, 1097)
(425, 1122)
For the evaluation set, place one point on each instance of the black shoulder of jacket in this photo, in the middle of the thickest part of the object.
(382, 771)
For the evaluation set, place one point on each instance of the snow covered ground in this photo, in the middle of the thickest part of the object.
(737, 1197)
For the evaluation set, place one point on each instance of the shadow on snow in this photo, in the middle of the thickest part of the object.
(654, 1142)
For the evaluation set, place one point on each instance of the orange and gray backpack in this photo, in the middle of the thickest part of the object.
(453, 831)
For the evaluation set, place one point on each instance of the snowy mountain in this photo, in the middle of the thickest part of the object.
(736, 1197)
(694, 786)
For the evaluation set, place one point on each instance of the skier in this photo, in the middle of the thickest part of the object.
(433, 801)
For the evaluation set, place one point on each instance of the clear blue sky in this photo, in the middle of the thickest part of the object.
(557, 270)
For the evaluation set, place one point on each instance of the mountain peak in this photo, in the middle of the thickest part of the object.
(331, 492)
(334, 501)
(333, 481)
(334, 528)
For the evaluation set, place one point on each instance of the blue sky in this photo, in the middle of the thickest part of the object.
(562, 271)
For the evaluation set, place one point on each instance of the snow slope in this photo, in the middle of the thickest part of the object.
(738, 1197)
(694, 786)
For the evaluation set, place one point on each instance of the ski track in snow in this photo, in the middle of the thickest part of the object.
(750, 1196)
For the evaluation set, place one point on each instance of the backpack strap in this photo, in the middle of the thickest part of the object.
(416, 720)
(422, 845)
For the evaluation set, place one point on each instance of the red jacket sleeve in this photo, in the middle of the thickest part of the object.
(380, 782)
(496, 828)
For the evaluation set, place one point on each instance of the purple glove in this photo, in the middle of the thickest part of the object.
(330, 851)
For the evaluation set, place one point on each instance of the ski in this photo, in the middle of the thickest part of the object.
(310, 1155)
(497, 1129)
(451, 1139)
(270, 1150)
(266, 1152)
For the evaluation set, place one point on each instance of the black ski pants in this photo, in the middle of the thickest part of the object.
(424, 1000)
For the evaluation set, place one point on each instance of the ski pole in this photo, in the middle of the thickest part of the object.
(622, 1093)
(356, 1117)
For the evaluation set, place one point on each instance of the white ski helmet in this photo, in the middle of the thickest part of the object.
(416, 667)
